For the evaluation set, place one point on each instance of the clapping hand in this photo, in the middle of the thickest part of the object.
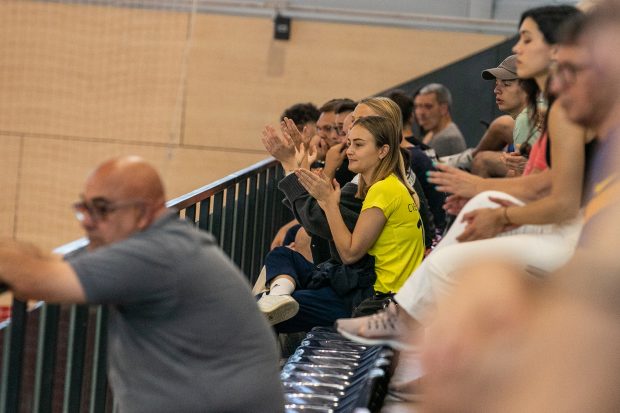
(334, 158)
(319, 186)
(289, 129)
(280, 147)
(306, 157)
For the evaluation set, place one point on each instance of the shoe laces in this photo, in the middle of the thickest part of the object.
(384, 320)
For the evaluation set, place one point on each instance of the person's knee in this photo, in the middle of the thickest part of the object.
(489, 164)
(483, 200)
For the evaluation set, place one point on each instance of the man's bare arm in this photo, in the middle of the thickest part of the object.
(31, 274)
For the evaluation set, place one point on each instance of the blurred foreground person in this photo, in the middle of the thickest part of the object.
(501, 343)
(185, 334)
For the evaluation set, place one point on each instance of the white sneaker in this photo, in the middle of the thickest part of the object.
(278, 308)
(387, 327)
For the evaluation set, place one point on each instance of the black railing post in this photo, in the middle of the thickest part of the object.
(240, 223)
(13, 355)
(99, 382)
(46, 358)
(203, 220)
(216, 218)
(259, 248)
(249, 261)
(190, 214)
(228, 230)
(76, 350)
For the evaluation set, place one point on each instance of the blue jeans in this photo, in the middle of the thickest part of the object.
(317, 307)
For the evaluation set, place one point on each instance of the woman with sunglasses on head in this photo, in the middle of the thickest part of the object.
(531, 220)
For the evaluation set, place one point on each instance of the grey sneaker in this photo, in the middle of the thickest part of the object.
(388, 327)
(278, 308)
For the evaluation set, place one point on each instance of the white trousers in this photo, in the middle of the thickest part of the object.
(546, 247)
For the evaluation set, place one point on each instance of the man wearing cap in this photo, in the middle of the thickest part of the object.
(512, 100)
(487, 159)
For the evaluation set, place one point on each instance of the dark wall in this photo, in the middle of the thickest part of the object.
(473, 99)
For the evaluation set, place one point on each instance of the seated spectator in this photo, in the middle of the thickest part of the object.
(327, 136)
(432, 112)
(419, 160)
(582, 299)
(304, 207)
(549, 333)
(495, 155)
(327, 129)
(590, 97)
(387, 108)
(491, 160)
(342, 174)
(536, 216)
(345, 108)
(389, 212)
(181, 314)
(305, 116)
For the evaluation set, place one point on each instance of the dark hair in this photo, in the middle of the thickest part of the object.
(571, 30)
(549, 19)
(404, 102)
(301, 113)
(346, 105)
(531, 89)
(332, 105)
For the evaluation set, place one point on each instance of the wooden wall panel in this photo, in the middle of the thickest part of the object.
(240, 78)
(190, 93)
(53, 177)
(9, 164)
(93, 72)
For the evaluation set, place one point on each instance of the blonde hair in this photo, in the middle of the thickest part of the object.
(388, 109)
(385, 132)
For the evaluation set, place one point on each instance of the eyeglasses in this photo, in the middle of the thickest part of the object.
(99, 208)
(567, 72)
(327, 128)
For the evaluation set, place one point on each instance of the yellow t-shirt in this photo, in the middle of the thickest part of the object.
(400, 247)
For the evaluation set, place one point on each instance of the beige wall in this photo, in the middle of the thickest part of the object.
(79, 84)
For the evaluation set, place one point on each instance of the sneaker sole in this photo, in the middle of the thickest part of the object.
(396, 345)
(281, 312)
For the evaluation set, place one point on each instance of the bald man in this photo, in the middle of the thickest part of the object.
(185, 334)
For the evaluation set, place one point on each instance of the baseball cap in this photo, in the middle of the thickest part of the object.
(507, 70)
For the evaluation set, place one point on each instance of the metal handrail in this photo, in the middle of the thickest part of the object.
(211, 189)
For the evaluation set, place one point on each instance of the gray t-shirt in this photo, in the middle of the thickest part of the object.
(185, 334)
(448, 141)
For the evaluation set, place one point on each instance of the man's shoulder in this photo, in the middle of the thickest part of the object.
(452, 130)
(170, 225)
(165, 236)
